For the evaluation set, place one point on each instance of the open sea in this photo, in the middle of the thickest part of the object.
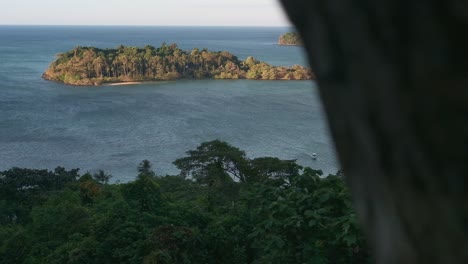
(45, 124)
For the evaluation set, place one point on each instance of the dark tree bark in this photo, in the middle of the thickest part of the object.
(393, 77)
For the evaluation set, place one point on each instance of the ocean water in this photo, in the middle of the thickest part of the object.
(45, 124)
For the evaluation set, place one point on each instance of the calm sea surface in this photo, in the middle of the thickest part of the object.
(45, 124)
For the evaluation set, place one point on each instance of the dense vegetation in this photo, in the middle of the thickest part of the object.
(290, 38)
(93, 66)
(222, 208)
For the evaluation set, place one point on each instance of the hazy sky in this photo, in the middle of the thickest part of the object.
(142, 12)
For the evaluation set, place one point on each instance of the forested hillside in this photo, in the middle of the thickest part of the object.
(93, 66)
(222, 208)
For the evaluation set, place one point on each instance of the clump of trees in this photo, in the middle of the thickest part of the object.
(290, 38)
(93, 66)
(222, 208)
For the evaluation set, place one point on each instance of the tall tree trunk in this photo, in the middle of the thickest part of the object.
(393, 77)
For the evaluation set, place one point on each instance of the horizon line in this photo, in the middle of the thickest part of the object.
(112, 25)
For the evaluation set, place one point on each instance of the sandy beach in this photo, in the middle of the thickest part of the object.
(122, 83)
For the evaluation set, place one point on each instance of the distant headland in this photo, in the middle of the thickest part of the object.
(290, 39)
(94, 66)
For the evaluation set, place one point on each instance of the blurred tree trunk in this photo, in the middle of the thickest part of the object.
(393, 77)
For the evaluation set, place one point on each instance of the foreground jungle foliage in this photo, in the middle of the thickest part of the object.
(222, 208)
(93, 66)
(290, 39)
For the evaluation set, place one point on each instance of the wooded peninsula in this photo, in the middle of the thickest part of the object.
(290, 39)
(94, 66)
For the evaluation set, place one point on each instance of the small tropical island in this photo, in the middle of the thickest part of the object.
(125, 64)
(290, 39)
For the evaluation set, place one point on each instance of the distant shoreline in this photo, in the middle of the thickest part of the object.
(294, 45)
(121, 83)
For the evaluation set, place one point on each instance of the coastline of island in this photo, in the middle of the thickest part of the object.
(290, 39)
(124, 65)
(122, 83)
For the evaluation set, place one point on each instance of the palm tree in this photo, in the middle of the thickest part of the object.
(144, 168)
(102, 176)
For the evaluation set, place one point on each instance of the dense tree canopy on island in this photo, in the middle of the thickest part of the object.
(222, 208)
(290, 39)
(93, 66)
